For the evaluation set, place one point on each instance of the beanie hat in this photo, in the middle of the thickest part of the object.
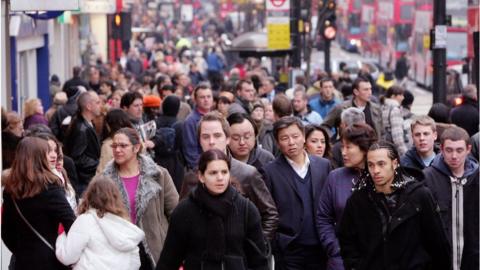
(72, 92)
(171, 105)
(151, 101)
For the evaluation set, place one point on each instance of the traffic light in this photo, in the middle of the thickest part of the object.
(328, 28)
(121, 26)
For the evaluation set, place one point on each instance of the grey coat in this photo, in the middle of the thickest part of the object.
(155, 200)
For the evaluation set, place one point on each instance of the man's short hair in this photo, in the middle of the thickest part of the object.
(238, 118)
(326, 79)
(455, 133)
(423, 120)
(357, 82)
(128, 98)
(282, 106)
(240, 84)
(285, 122)
(352, 116)
(470, 91)
(83, 100)
(300, 89)
(200, 86)
(213, 117)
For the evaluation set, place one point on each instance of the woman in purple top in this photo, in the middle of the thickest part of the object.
(356, 139)
(34, 113)
(147, 191)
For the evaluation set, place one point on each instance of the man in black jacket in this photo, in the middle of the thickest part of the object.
(466, 115)
(81, 141)
(453, 180)
(391, 220)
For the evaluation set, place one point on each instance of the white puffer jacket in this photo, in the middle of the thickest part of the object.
(110, 242)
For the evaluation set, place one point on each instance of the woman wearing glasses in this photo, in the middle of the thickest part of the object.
(147, 191)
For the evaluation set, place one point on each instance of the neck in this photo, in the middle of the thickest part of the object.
(87, 116)
(243, 159)
(202, 111)
(385, 189)
(300, 159)
(359, 103)
(426, 155)
(304, 111)
(130, 168)
(458, 172)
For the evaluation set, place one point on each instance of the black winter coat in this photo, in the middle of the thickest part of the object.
(44, 211)
(83, 146)
(187, 236)
(410, 238)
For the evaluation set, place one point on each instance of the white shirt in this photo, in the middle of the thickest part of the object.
(301, 170)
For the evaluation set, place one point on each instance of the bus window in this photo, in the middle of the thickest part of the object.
(354, 23)
(382, 34)
(456, 46)
(406, 12)
(357, 4)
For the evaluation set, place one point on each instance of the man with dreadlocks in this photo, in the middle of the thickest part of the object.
(391, 220)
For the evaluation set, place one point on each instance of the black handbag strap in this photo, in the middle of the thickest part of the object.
(32, 228)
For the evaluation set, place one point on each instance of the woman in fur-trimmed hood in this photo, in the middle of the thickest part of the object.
(147, 190)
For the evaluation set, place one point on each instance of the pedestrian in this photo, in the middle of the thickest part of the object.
(392, 119)
(302, 109)
(468, 107)
(356, 139)
(34, 205)
(244, 96)
(115, 120)
(12, 133)
(81, 140)
(215, 227)
(424, 150)
(391, 220)
(317, 141)
(453, 180)
(33, 113)
(102, 236)
(147, 191)
(295, 180)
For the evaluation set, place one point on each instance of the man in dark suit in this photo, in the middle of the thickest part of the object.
(295, 180)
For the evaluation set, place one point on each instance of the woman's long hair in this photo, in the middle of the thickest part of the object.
(115, 120)
(103, 195)
(30, 172)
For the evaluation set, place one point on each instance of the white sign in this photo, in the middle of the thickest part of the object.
(187, 13)
(440, 37)
(43, 5)
(98, 6)
(278, 5)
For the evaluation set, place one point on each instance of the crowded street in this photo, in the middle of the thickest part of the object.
(240, 134)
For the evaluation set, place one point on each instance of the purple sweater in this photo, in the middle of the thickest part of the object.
(333, 199)
(35, 119)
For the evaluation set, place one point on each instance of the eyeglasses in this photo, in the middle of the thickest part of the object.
(121, 145)
(246, 137)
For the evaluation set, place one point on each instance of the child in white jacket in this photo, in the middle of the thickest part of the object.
(102, 237)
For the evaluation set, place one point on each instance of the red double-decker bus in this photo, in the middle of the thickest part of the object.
(349, 27)
(394, 28)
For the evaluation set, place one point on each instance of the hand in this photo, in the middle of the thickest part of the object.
(149, 144)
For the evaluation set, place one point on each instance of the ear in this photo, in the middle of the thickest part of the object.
(200, 177)
(396, 164)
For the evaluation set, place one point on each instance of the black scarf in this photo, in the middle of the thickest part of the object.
(217, 209)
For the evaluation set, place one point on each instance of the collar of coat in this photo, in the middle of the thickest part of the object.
(148, 186)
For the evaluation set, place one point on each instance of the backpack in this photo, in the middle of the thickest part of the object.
(165, 139)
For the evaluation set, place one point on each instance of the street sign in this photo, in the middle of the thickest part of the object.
(43, 5)
(278, 36)
(440, 37)
(278, 5)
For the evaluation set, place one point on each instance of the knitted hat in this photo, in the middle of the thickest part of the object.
(171, 105)
(151, 101)
(72, 92)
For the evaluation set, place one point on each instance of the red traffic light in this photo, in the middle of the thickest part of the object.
(329, 32)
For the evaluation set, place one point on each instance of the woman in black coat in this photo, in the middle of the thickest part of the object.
(391, 221)
(215, 227)
(40, 197)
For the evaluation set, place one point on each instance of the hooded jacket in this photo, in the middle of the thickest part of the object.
(438, 178)
(110, 242)
(411, 159)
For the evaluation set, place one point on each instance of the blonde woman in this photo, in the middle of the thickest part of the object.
(33, 113)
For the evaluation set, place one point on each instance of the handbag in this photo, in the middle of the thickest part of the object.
(32, 228)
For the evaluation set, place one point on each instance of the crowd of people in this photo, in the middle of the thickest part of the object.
(166, 160)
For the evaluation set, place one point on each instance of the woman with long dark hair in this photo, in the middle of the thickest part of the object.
(356, 139)
(34, 206)
(391, 220)
(215, 227)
